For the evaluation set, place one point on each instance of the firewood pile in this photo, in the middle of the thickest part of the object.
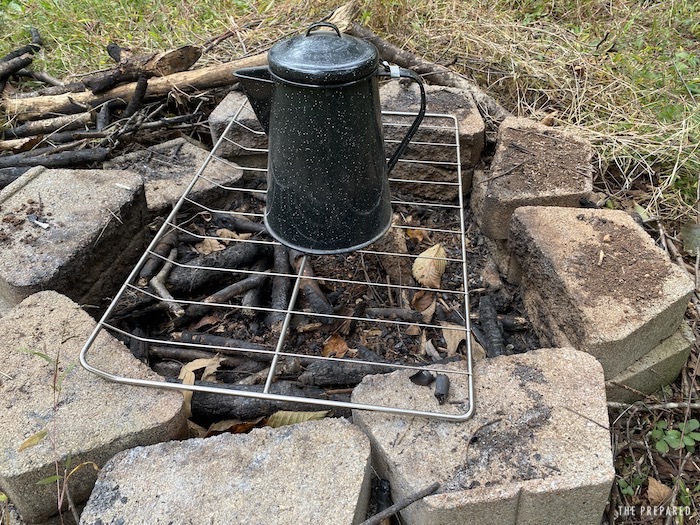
(83, 123)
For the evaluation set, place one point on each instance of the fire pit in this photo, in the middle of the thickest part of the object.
(288, 327)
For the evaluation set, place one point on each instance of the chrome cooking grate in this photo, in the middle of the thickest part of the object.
(372, 289)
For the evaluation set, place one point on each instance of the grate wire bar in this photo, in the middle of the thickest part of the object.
(435, 149)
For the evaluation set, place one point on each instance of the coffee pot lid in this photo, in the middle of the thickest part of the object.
(323, 57)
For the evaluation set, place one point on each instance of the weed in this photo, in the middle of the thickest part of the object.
(684, 436)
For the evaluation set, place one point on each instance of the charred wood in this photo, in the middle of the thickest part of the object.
(13, 65)
(227, 345)
(393, 314)
(491, 329)
(216, 407)
(316, 299)
(201, 270)
(9, 175)
(156, 260)
(138, 97)
(185, 355)
(194, 311)
(281, 287)
(238, 224)
(61, 159)
(343, 372)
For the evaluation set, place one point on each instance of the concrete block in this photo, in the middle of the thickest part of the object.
(315, 472)
(86, 417)
(536, 450)
(78, 232)
(658, 368)
(242, 140)
(168, 168)
(595, 280)
(508, 265)
(534, 165)
(396, 96)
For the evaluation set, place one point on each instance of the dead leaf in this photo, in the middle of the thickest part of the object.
(207, 320)
(208, 246)
(414, 329)
(232, 426)
(286, 417)
(33, 440)
(225, 233)
(657, 492)
(453, 334)
(335, 346)
(429, 266)
(432, 351)
(478, 352)
(425, 303)
(187, 377)
(416, 235)
(209, 373)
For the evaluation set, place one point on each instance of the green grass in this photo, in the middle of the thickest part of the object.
(625, 74)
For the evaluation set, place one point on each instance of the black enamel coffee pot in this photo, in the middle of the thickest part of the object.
(318, 101)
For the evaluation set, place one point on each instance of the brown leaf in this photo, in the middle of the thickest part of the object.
(225, 233)
(429, 266)
(335, 346)
(186, 375)
(232, 426)
(425, 303)
(207, 320)
(413, 329)
(657, 492)
(208, 246)
(453, 334)
(416, 235)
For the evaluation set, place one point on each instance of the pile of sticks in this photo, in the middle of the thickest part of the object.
(75, 124)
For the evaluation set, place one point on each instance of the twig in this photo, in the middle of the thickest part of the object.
(157, 284)
(402, 504)
(658, 406)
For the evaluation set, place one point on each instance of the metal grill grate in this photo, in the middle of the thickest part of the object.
(369, 286)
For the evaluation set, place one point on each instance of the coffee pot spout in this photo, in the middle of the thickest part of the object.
(258, 87)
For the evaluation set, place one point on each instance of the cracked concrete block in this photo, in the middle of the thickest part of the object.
(86, 418)
(245, 138)
(534, 165)
(314, 472)
(78, 232)
(396, 96)
(536, 451)
(168, 168)
(595, 280)
(658, 368)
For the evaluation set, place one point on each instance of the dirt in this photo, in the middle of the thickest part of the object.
(530, 159)
(617, 266)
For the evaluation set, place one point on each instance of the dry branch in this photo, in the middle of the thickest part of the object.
(132, 67)
(49, 125)
(186, 81)
(489, 108)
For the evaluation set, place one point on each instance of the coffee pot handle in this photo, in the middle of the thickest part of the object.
(399, 72)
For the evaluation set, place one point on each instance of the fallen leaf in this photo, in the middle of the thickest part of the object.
(432, 351)
(225, 233)
(657, 492)
(478, 352)
(232, 426)
(208, 246)
(429, 266)
(453, 334)
(425, 303)
(207, 320)
(416, 235)
(285, 417)
(187, 377)
(414, 329)
(335, 346)
(33, 440)
(209, 373)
